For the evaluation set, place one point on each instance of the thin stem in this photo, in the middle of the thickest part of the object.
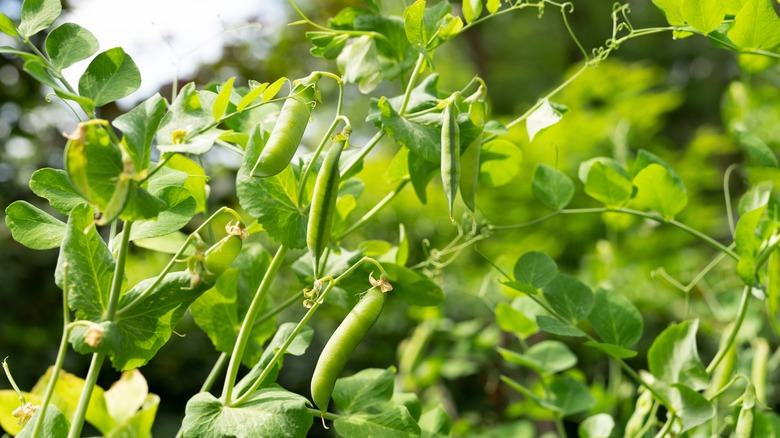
(214, 373)
(10, 378)
(664, 432)
(119, 273)
(317, 152)
(156, 168)
(86, 394)
(61, 352)
(373, 212)
(727, 198)
(246, 326)
(724, 348)
(327, 415)
(524, 224)
(364, 152)
(412, 81)
(175, 258)
(283, 349)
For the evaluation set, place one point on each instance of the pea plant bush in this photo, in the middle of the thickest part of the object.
(138, 181)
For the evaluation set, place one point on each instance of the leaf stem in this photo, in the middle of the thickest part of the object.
(248, 323)
(376, 209)
(724, 348)
(86, 394)
(61, 352)
(119, 273)
(327, 415)
(412, 81)
(364, 152)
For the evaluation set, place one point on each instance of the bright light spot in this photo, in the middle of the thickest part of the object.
(171, 38)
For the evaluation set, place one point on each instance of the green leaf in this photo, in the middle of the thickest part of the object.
(273, 200)
(55, 425)
(53, 185)
(552, 187)
(409, 400)
(90, 265)
(35, 68)
(542, 118)
(413, 26)
(535, 270)
(33, 227)
(747, 244)
(420, 173)
(140, 424)
(759, 151)
(615, 318)
(597, 426)
(612, 350)
(493, 6)
(472, 9)
(179, 209)
(645, 158)
(766, 424)
(674, 356)
(297, 347)
(773, 289)
(360, 64)
(414, 288)
(499, 162)
(110, 76)
(569, 297)
(220, 311)
(66, 396)
(38, 15)
(557, 327)
(93, 164)
(512, 320)
(266, 413)
(186, 118)
(391, 423)
(569, 395)
(435, 423)
(672, 9)
(703, 15)
(196, 179)
(126, 395)
(7, 26)
(756, 26)
(223, 99)
(255, 91)
(691, 407)
(607, 185)
(87, 104)
(657, 190)
(139, 126)
(69, 44)
(138, 332)
(546, 357)
(369, 387)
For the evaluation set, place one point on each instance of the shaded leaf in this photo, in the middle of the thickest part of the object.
(112, 75)
(552, 187)
(368, 387)
(569, 297)
(391, 423)
(556, 327)
(139, 126)
(674, 356)
(615, 318)
(33, 227)
(69, 44)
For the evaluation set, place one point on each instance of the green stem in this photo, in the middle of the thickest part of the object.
(412, 82)
(61, 352)
(110, 314)
(364, 152)
(724, 348)
(86, 394)
(127, 307)
(283, 349)
(317, 152)
(248, 323)
(373, 212)
(664, 432)
(214, 373)
(327, 415)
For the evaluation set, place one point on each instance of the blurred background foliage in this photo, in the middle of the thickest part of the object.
(679, 99)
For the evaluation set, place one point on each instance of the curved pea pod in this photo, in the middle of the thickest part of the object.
(744, 427)
(450, 154)
(469, 173)
(287, 133)
(341, 345)
(219, 257)
(323, 203)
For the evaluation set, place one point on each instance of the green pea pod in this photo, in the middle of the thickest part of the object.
(469, 174)
(323, 203)
(341, 345)
(450, 154)
(744, 427)
(287, 133)
(219, 257)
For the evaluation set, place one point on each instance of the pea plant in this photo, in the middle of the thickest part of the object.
(137, 181)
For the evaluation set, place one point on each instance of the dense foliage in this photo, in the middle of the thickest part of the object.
(630, 301)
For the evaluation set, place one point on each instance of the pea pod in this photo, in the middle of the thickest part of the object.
(219, 257)
(323, 203)
(450, 154)
(287, 133)
(744, 427)
(341, 345)
(470, 159)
